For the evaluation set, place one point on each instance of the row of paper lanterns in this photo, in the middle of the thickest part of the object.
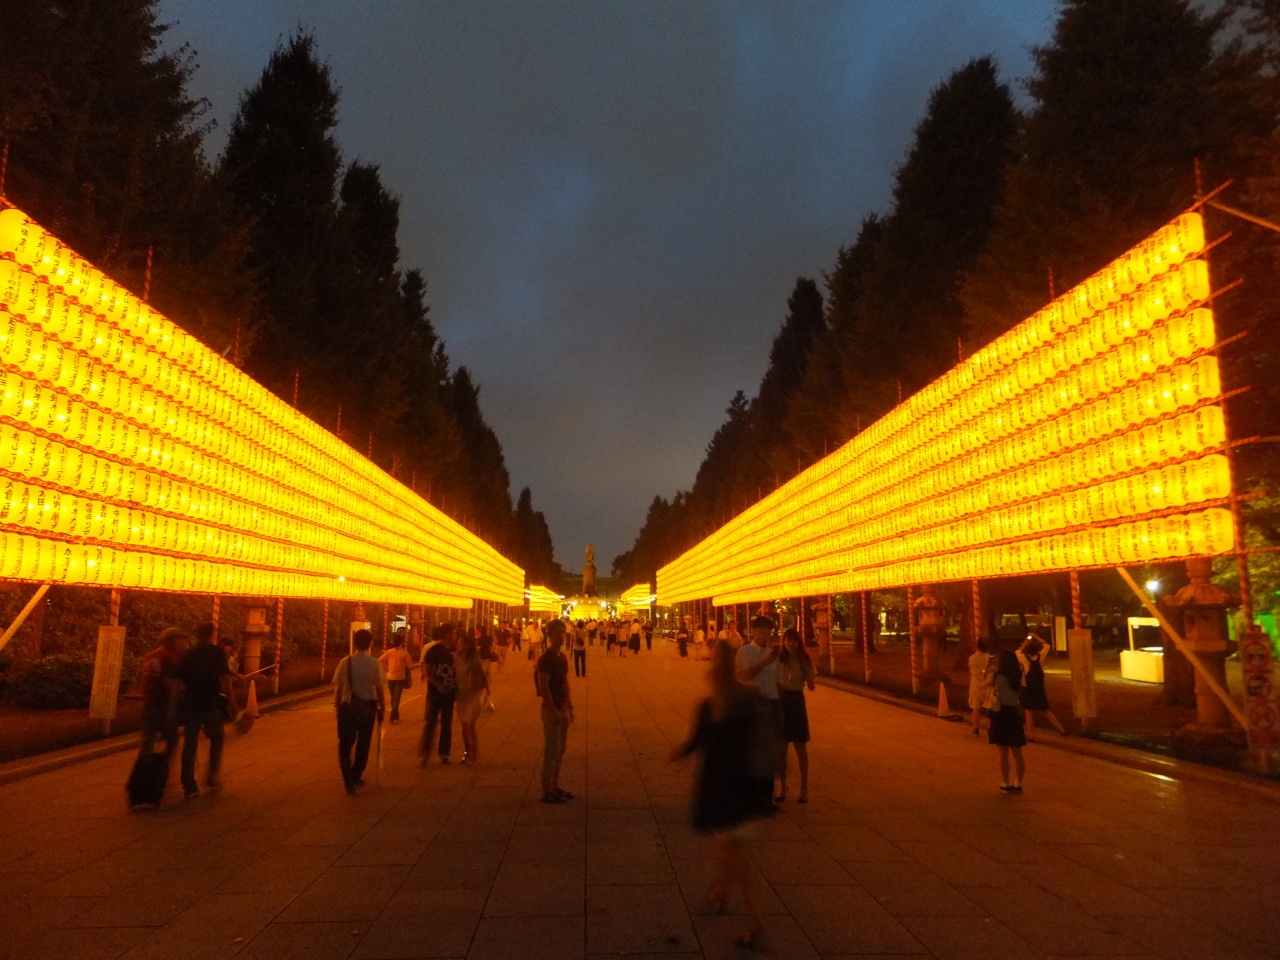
(28, 557)
(1205, 533)
(992, 477)
(131, 366)
(1063, 411)
(100, 301)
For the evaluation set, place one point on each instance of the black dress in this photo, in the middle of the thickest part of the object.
(727, 793)
(1033, 695)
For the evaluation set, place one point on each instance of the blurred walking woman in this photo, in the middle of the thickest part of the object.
(473, 685)
(1006, 720)
(795, 672)
(733, 733)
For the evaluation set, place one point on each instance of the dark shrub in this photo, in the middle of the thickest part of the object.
(61, 682)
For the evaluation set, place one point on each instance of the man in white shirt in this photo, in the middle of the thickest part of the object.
(733, 636)
(359, 694)
(757, 664)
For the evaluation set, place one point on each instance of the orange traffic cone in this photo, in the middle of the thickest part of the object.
(251, 702)
(944, 708)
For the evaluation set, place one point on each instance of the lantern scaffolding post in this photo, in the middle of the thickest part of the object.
(275, 669)
(911, 639)
(213, 616)
(866, 642)
(1237, 526)
(1077, 618)
(324, 634)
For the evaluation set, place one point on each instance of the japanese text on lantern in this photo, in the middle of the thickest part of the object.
(1090, 434)
(131, 455)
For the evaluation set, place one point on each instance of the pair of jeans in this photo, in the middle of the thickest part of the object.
(439, 711)
(355, 729)
(579, 663)
(555, 737)
(397, 691)
(210, 721)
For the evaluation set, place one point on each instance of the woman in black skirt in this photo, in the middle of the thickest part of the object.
(795, 672)
(1006, 720)
(736, 736)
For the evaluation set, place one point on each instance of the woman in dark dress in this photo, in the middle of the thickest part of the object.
(682, 641)
(736, 736)
(1034, 699)
(795, 672)
(1006, 720)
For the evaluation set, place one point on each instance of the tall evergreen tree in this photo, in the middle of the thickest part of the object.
(1126, 97)
(105, 151)
(280, 168)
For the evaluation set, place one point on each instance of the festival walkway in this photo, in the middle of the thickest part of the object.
(905, 848)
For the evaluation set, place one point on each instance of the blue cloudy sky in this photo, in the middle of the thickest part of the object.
(612, 200)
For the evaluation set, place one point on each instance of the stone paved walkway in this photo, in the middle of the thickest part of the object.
(905, 848)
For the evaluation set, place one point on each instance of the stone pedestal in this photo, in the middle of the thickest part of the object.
(1204, 623)
(255, 628)
(931, 629)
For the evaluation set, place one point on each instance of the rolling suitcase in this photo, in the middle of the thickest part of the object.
(148, 780)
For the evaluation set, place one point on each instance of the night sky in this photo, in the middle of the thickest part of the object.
(611, 201)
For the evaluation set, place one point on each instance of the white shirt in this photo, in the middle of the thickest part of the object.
(635, 628)
(766, 680)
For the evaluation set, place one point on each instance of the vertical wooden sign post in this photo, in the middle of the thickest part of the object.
(104, 695)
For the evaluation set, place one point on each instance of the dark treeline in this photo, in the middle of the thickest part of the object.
(281, 254)
(990, 203)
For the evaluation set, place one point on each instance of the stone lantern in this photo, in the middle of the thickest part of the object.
(255, 629)
(931, 629)
(1203, 609)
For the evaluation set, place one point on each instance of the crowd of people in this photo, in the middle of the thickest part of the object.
(754, 717)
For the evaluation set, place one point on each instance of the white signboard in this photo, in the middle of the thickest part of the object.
(106, 673)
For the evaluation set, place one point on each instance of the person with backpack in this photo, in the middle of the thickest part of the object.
(442, 687)
(360, 699)
(1006, 731)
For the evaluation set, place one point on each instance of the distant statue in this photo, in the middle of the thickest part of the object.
(589, 573)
